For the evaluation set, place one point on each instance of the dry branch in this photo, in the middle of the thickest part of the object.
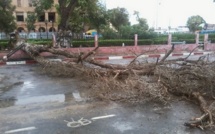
(141, 82)
(167, 54)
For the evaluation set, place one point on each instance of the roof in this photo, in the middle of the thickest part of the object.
(91, 31)
(206, 31)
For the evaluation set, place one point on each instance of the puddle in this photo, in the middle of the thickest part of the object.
(26, 86)
(40, 99)
(71, 97)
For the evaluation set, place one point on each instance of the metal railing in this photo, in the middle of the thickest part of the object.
(32, 35)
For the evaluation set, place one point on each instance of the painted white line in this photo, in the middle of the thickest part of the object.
(15, 63)
(143, 56)
(57, 60)
(162, 55)
(115, 57)
(103, 117)
(205, 53)
(186, 54)
(20, 130)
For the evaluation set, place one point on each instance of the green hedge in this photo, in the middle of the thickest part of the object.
(4, 40)
(160, 39)
(104, 43)
(188, 41)
(40, 42)
(116, 42)
(3, 45)
(212, 40)
(87, 43)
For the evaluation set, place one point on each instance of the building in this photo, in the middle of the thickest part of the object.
(183, 29)
(46, 22)
(179, 29)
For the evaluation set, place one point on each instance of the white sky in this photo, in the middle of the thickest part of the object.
(168, 13)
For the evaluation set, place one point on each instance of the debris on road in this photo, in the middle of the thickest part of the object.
(139, 81)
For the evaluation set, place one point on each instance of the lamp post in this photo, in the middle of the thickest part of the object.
(46, 23)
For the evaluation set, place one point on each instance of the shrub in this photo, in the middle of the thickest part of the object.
(86, 43)
(40, 42)
(3, 45)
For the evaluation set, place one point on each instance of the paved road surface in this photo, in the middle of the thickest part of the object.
(34, 103)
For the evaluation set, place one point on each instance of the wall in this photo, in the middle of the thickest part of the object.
(127, 50)
(25, 9)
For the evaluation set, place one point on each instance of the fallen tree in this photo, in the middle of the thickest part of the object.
(140, 81)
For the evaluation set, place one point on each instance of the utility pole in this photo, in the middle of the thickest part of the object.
(157, 13)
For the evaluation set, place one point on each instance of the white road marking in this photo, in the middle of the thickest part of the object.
(186, 54)
(162, 55)
(115, 57)
(143, 56)
(15, 63)
(103, 117)
(205, 53)
(20, 130)
(55, 60)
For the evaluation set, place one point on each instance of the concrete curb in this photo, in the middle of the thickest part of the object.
(23, 62)
(148, 56)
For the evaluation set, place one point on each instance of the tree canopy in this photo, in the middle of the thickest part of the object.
(30, 20)
(74, 12)
(93, 15)
(194, 22)
(118, 17)
(7, 22)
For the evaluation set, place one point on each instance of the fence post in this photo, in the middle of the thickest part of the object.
(197, 38)
(205, 41)
(96, 40)
(169, 39)
(135, 40)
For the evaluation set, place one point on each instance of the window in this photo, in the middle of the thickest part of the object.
(19, 16)
(51, 17)
(19, 3)
(41, 18)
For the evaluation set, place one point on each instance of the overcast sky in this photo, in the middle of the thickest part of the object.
(164, 13)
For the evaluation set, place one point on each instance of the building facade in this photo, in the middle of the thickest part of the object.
(46, 22)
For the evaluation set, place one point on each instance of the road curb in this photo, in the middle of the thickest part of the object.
(149, 56)
(23, 62)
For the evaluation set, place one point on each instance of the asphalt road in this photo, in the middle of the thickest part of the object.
(35, 103)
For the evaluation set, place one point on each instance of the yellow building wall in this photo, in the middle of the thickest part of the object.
(25, 8)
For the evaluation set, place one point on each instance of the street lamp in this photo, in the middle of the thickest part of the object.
(46, 23)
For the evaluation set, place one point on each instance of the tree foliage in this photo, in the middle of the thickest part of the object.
(92, 14)
(7, 22)
(41, 5)
(73, 13)
(142, 25)
(30, 20)
(98, 16)
(193, 23)
(118, 17)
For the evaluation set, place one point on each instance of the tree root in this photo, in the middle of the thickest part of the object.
(204, 121)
